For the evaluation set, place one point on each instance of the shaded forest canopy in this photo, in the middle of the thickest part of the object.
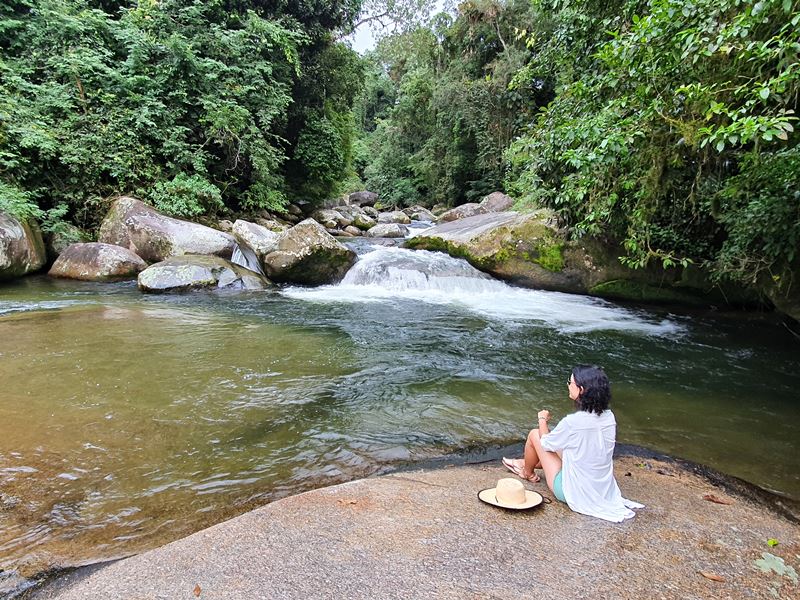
(663, 125)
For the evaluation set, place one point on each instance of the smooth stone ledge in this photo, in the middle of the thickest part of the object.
(425, 534)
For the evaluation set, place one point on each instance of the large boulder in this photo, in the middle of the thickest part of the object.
(364, 222)
(194, 272)
(363, 198)
(143, 230)
(462, 212)
(294, 210)
(331, 218)
(254, 242)
(521, 248)
(529, 250)
(388, 230)
(497, 202)
(395, 216)
(22, 249)
(356, 216)
(95, 261)
(257, 238)
(308, 254)
(419, 213)
(371, 211)
(349, 212)
(273, 224)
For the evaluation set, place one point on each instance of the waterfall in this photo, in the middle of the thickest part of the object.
(399, 270)
(245, 257)
(391, 274)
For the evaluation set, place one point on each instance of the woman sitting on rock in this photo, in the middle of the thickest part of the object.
(577, 456)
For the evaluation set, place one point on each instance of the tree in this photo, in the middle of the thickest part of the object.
(453, 114)
(653, 139)
(191, 105)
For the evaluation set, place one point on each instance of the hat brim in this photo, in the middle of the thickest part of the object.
(532, 499)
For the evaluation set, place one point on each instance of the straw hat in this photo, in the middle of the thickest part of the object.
(510, 493)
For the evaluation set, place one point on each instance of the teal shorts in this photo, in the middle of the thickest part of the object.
(558, 489)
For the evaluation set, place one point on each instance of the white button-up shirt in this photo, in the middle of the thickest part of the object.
(586, 443)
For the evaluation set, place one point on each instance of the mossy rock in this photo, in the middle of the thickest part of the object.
(516, 237)
(521, 248)
(637, 291)
(437, 244)
(528, 250)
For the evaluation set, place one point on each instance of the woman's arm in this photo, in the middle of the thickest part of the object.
(544, 417)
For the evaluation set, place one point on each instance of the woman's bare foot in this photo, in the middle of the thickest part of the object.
(517, 466)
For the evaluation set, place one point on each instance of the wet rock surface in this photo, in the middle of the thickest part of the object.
(425, 534)
(257, 238)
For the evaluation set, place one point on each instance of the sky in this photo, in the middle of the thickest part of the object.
(364, 38)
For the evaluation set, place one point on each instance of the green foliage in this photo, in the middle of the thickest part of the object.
(437, 111)
(18, 203)
(52, 221)
(319, 149)
(672, 132)
(189, 103)
(760, 209)
(321, 130)
(185, 196)
(665, 125)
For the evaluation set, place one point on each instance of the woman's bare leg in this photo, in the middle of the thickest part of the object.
(535, 456)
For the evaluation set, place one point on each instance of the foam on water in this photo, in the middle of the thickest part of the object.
(10, 308)
(388, 273)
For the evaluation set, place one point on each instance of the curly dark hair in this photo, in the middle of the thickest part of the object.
(595, 388)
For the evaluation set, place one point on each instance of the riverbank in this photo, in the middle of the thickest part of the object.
(425, 534)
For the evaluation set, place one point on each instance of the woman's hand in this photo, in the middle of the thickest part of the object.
(544, 415)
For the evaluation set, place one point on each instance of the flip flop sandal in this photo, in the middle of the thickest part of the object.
(516, 470)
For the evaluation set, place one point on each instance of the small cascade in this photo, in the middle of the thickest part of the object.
(391, 274)
(399, 270)
(245, 257)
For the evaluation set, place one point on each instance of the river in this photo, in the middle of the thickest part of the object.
(130, 420)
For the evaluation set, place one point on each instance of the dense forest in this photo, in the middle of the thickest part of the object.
(662, 125)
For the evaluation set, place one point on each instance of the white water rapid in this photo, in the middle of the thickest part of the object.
(386, 273)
